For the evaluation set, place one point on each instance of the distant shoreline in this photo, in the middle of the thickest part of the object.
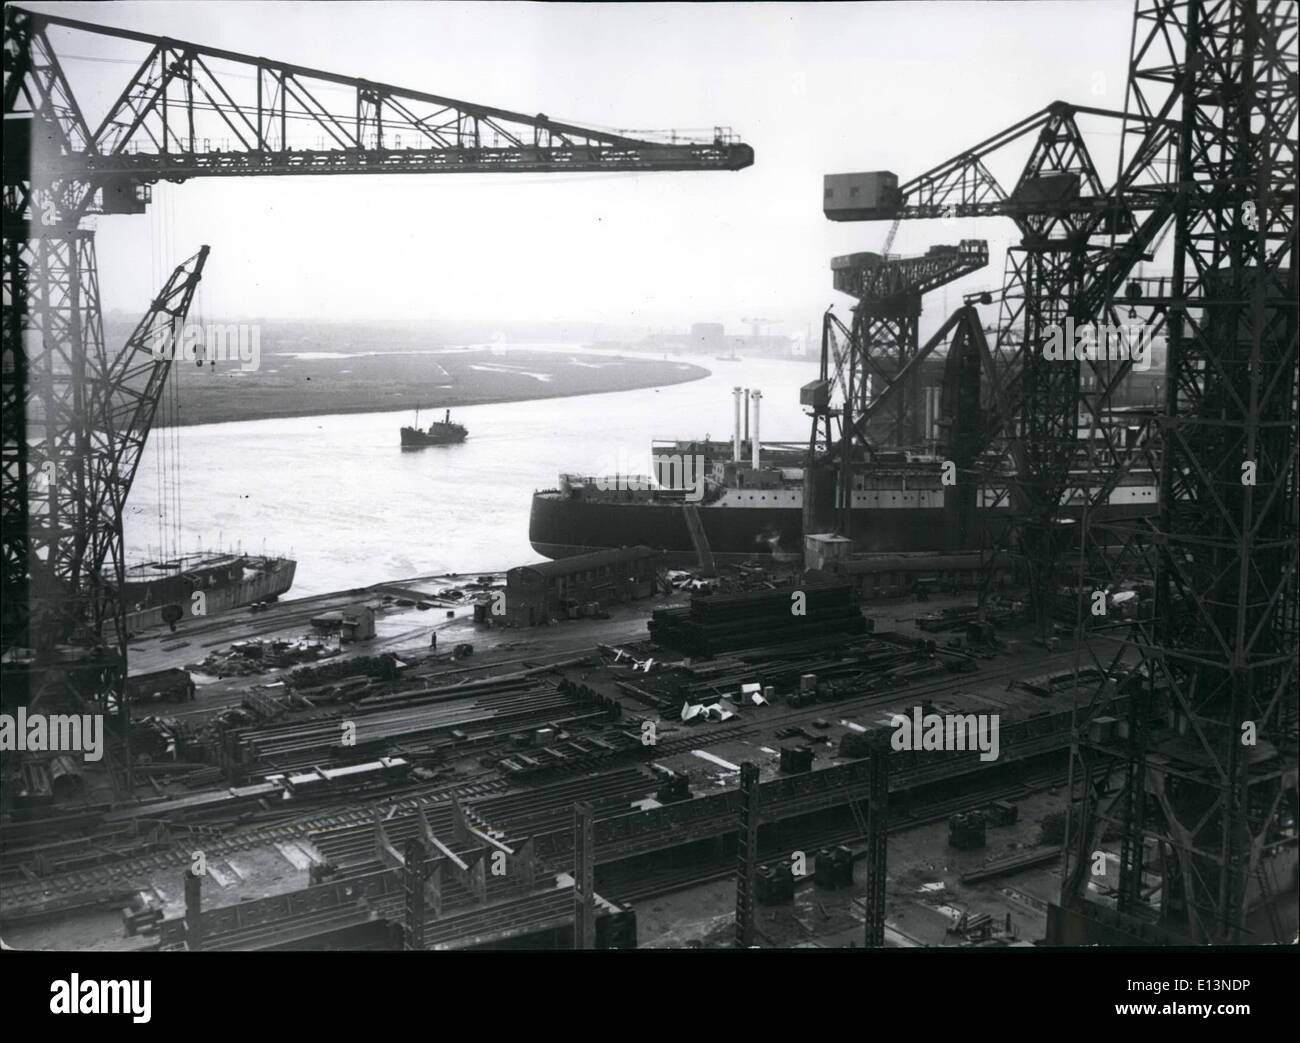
(261, 397)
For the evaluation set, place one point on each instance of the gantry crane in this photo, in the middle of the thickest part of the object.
(875, 367)
(1199, 772)
(185, 111)
(1208, 143)
(71, 515)
(1079, 240)
(885, 339)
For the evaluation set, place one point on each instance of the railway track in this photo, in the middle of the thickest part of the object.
(785, 716)
(77, 888)
(628, 886)
(524, 808)
(510, 816)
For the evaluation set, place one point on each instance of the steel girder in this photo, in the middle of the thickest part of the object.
(75, 416)
(877, 853)
(890, 283)
(75, 419)
(1079, 241)
(584, 876)
(188, 110)
(870, 388)
(884, 343)
(75, 425)
(746, 854)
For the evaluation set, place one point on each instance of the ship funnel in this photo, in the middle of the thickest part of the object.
(757, 396)
(735, 438)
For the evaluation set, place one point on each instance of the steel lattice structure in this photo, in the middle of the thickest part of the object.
(877, 854)
(847, 362)
(746, 854)
(1209, 135)
(884, 349)
(76, 416)
(875, 365)
(1079, 241)
(1200, 776)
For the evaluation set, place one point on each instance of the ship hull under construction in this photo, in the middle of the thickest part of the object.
(226, 582)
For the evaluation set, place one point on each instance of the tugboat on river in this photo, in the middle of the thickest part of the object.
(442, 432)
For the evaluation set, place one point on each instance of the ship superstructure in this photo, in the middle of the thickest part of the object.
(440, 432)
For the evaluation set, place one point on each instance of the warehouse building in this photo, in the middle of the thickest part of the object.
(567, 588)
(899, 575)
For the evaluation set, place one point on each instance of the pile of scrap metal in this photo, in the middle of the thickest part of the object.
(974, 927)
(43, 780)
(244, 658)
(382, 667)
(160, 738)
(825, 668)
(698, 714)
(956, 617)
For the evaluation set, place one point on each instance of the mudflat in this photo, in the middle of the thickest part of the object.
(310, 383)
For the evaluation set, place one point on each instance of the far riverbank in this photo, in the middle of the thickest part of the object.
(307, 384)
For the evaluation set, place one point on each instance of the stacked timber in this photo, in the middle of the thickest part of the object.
(721, 623)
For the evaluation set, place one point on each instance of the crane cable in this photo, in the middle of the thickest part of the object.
(174, 425)
(169, 515)
(165, 442)
(155, 251)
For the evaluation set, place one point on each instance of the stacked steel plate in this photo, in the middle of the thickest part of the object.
(724, 622)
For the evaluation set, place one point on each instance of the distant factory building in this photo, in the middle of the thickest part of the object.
(707, 336)
(565, 589)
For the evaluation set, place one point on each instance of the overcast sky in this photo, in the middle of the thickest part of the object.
(814, 89)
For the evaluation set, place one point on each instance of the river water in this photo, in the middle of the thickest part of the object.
(337, 493)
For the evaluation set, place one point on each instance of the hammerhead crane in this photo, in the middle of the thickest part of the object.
(885, 333)
(1208, 144)
(875, 365)
(71, 422)
(1080, 240)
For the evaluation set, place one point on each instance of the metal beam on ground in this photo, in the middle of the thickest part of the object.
(193, 912)
(414, 875)
(584, 876)
(877, 847)
(746, 855)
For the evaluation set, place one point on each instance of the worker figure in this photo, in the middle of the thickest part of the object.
(433, 639)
